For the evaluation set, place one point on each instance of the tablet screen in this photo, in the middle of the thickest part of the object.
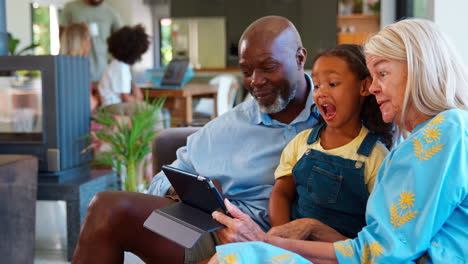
(195, 190)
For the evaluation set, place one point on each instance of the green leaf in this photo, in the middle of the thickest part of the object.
(129, 139)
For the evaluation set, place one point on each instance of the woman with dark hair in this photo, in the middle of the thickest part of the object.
(126, 45)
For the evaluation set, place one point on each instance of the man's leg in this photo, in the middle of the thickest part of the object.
(114, 224)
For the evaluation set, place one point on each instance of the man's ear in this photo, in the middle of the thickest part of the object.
(365, 84)
(301, 56)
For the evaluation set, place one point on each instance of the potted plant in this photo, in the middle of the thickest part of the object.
(374, 6)
(13, 45)
(345, 7)
(128, 139)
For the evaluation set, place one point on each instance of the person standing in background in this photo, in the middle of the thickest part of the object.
(102, 21)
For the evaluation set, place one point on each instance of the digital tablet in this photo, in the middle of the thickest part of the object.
(185, 222)
(195, 190)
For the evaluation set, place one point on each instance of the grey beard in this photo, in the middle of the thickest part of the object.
(279, 104)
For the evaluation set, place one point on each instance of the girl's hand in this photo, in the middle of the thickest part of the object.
(239, 228)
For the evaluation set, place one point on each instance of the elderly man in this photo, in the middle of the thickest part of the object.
(102, 21)
(240, 149)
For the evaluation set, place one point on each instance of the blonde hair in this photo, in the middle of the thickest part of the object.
(437, 77)
(75, 40)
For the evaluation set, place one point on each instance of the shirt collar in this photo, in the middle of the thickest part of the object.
(303, 116)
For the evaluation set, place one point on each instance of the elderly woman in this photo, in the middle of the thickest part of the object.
(418, 210)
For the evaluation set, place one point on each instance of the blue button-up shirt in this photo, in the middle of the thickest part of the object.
(241, 149)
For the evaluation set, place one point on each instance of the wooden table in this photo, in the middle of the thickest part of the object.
(179, 101)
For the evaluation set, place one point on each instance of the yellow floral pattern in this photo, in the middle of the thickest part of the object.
(371, 252)
(401, 213)
(228, 259)
(281, 259)
(344, 248)
(428, 145)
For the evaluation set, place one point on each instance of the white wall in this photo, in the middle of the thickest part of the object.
(133, 12)
(18, 13)
(450, 15)
(447, 14)
(387, 12)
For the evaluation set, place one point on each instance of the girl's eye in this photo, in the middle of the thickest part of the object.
(316, 86)
(333, 84)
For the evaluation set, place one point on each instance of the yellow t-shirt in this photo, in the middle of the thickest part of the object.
(296, 148)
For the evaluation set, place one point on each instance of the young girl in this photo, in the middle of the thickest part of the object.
(126, 45)
(327, 172)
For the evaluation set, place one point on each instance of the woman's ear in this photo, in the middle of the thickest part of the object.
(365, 84)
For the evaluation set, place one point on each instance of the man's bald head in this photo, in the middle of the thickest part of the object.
(272, 59)
(271, 29)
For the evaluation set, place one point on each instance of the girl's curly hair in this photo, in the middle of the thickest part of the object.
(128, 43)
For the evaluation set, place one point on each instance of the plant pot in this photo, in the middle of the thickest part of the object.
(132, 177)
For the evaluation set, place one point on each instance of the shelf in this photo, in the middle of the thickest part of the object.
(367, 23)
(353, 38)
(358, 16)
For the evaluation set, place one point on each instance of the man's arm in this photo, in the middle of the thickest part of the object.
(282, 195)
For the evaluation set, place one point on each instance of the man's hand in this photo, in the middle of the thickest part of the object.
(240, 228)
(171, 191)
(307, 229)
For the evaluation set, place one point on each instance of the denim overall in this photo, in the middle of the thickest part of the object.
(332, 189)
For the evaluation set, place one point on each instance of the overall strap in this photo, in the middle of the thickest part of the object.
(315, 133)
(368, 144)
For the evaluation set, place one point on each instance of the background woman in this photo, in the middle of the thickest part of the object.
(75, 40)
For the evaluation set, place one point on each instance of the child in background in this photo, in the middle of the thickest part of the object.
(126, 45)
(326, 173)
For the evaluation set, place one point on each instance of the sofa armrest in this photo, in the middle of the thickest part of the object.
(166, 144)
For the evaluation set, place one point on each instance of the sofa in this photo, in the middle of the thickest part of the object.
(167, 142)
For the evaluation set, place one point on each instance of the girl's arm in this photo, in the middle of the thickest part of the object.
(137, 93)
(283, 194)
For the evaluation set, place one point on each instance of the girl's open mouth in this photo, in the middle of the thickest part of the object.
(329, 111)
